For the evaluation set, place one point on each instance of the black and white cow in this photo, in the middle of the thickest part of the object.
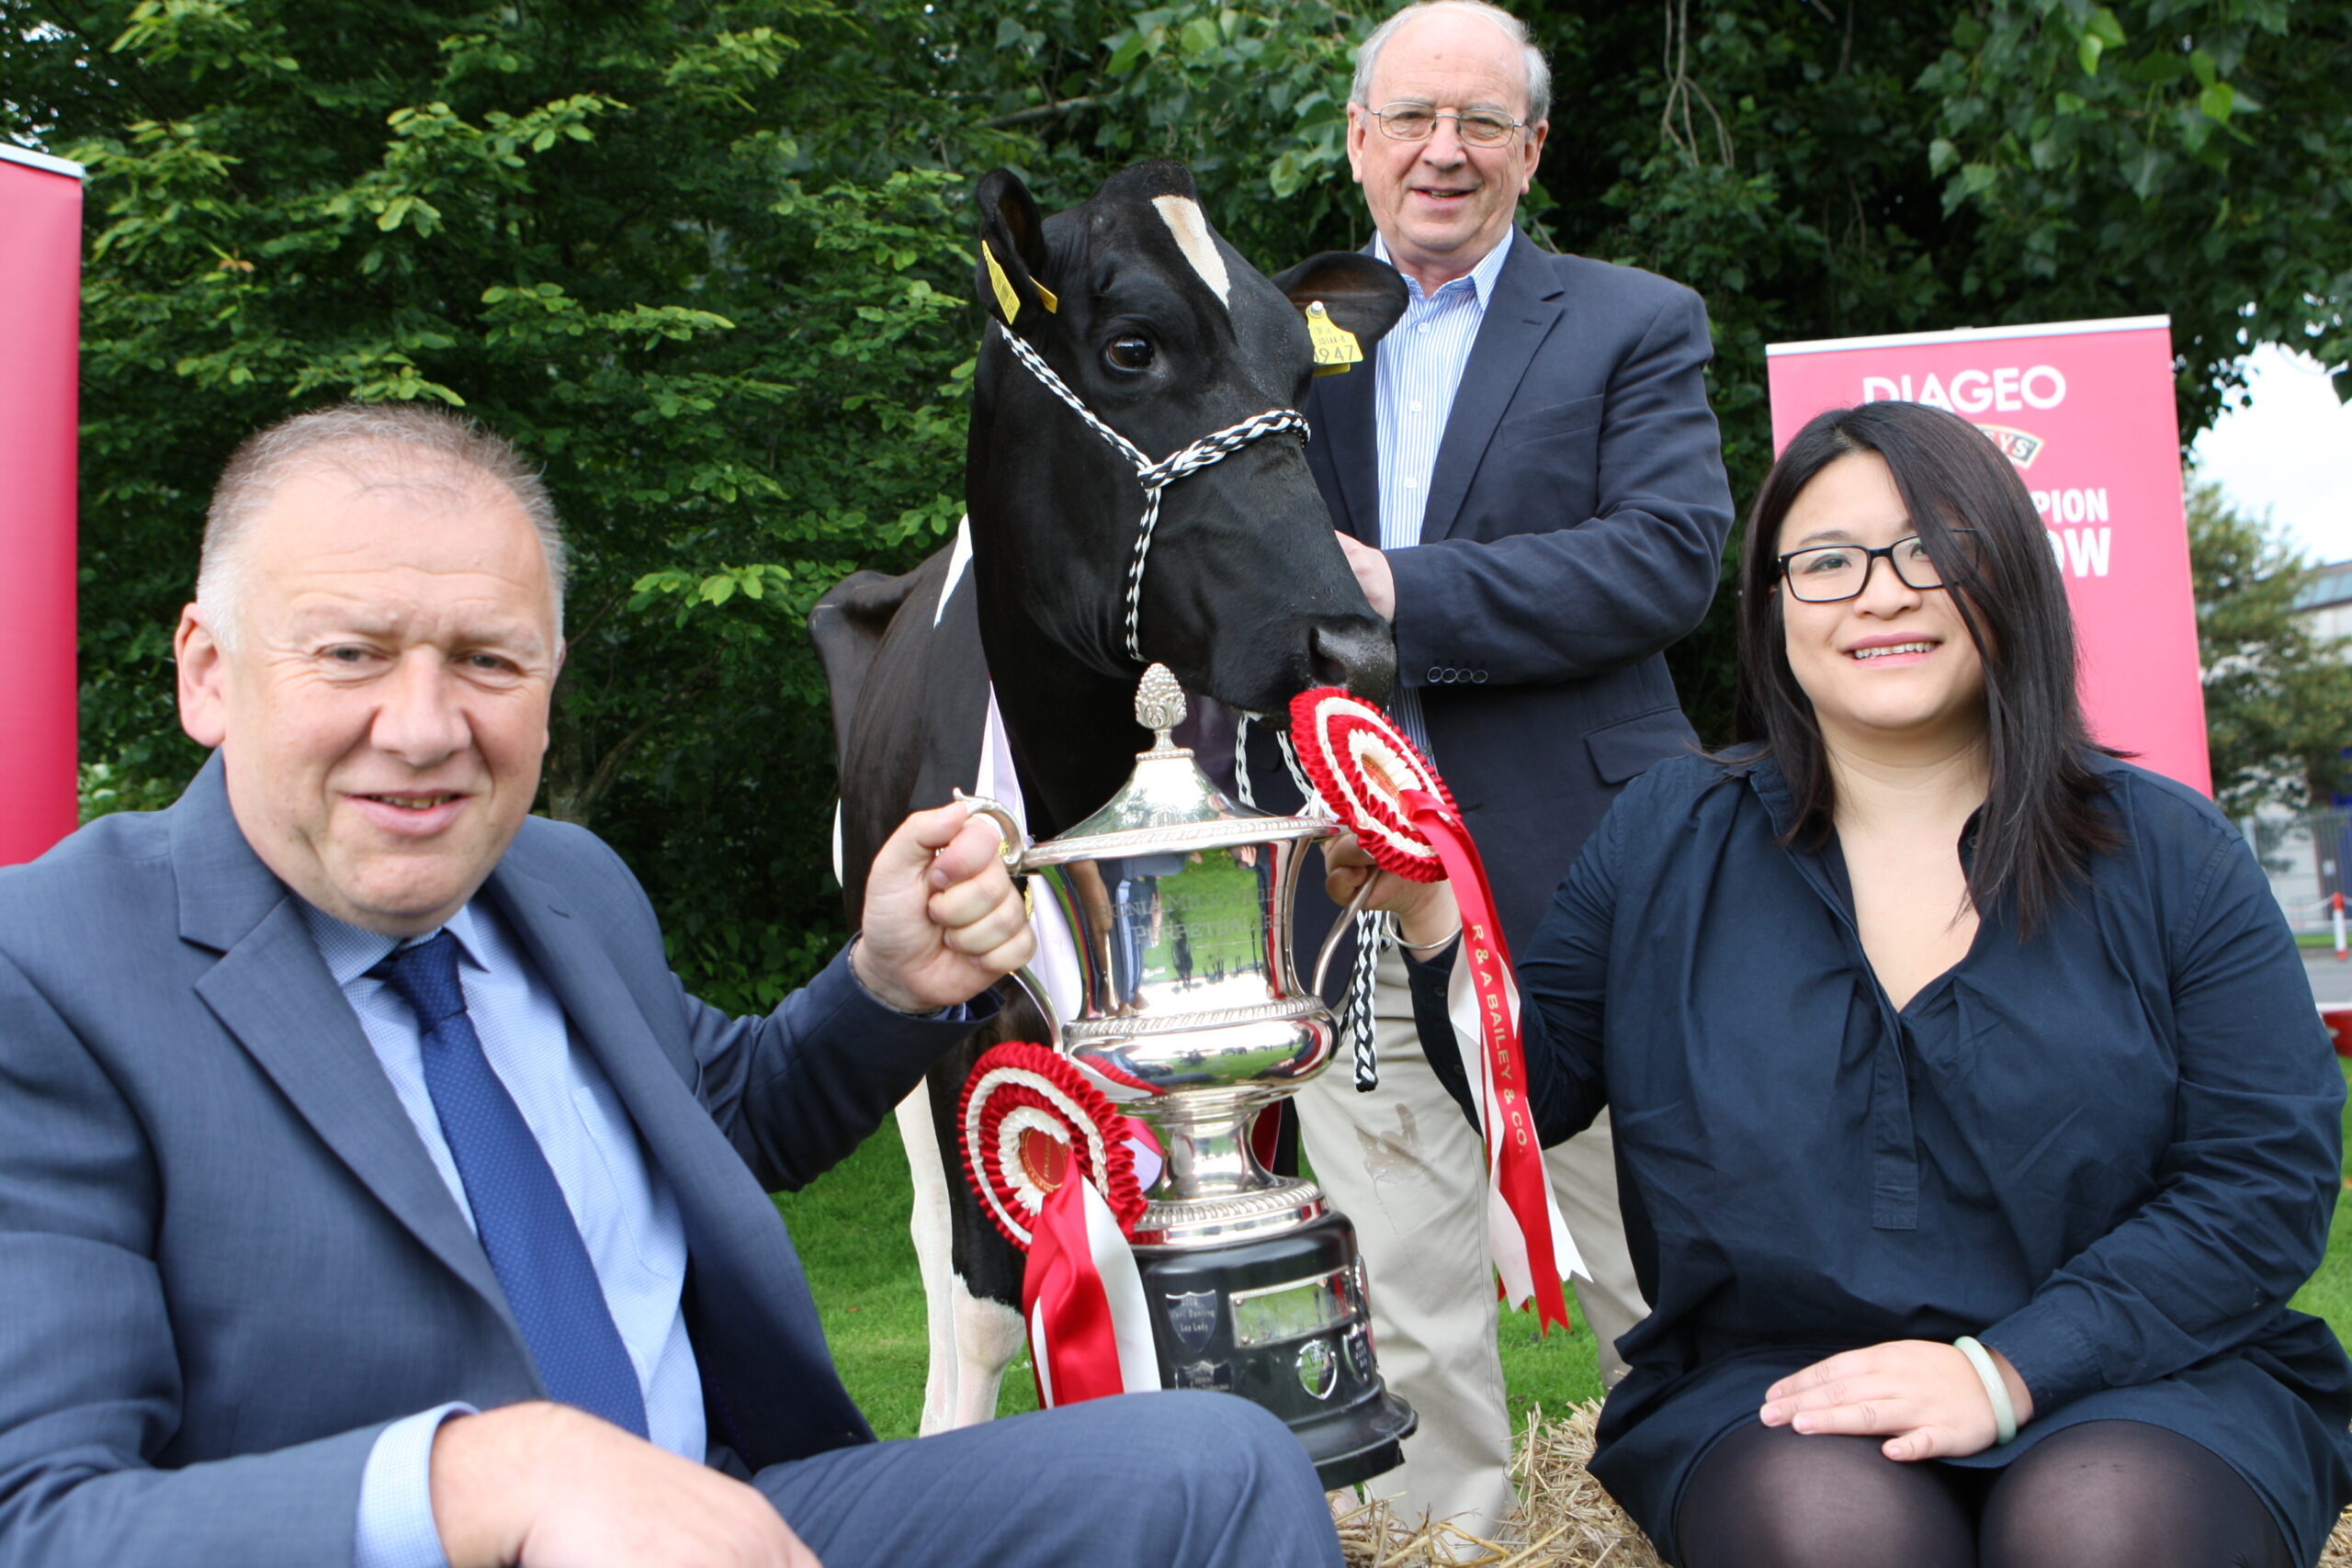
(1162, 333)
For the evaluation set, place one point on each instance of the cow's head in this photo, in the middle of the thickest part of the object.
(1166, 335)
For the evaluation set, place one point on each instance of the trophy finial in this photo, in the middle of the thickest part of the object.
(1159, 705)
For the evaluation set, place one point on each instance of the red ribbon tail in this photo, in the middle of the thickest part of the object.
(1071, 1340)
(1551, 1307)
(1509, 1123)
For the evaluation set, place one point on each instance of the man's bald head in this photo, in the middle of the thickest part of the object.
(394, 446)
(1539, 74)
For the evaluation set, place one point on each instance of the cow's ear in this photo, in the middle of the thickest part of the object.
(1358, 292)
(1013, 249)
(1358, 295)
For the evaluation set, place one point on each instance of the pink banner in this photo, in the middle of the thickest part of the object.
(2084, 409)
(41, 281)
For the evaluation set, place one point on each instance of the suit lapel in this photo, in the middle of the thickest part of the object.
(761, 1350)
(1525, 307)
(716, 1196)
(1343, 409)
(655, 1088)
(272, 991)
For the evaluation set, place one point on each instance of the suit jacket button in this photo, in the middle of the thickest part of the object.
(1436, 675)
(1477, 677)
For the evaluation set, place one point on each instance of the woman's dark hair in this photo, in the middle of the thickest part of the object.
(2039, 828)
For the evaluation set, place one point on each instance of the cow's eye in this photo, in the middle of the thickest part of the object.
(1131, 352)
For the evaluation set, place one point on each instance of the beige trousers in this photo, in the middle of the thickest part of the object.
(1404, 1165)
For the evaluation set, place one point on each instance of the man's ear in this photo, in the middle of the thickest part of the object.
(203, 679)
(1011, 275)
(1359, 128)
(1360, 295)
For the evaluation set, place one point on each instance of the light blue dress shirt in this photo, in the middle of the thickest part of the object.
(1417, 370)
(627, 1214)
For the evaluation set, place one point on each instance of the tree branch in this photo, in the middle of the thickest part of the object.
(1040, 111)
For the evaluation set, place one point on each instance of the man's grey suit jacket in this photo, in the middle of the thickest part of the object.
(227, 1262)
(1575, 521)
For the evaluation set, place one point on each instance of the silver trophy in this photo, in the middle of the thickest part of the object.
(1181, 902)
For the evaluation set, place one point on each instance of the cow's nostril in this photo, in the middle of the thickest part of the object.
(1359, 653)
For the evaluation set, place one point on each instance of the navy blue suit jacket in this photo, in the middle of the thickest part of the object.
(1575, 523)
(226, 1260)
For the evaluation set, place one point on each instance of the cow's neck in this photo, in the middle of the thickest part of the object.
(1073, 735)
(1072, 729)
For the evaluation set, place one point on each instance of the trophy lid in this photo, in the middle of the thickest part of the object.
(1168, 803)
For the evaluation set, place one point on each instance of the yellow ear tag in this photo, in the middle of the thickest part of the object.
(1006, 299)
(1335, 348)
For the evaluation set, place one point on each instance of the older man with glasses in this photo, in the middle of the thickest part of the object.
(1529, 483)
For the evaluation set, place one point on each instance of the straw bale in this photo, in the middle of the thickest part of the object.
(1564, 1520)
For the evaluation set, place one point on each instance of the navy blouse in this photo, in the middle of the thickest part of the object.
(2109, 1152)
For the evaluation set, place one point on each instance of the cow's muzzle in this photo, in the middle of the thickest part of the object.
(1358, 652)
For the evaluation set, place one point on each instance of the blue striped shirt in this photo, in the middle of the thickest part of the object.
(627, 1214)
(1418, 368)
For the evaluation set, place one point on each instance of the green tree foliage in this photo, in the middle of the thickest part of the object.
(1821, 170)
(2277, 699)
(659, 245)
(709, 260)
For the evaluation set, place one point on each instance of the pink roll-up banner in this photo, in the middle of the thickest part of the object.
(2085, 412)
(40, 310)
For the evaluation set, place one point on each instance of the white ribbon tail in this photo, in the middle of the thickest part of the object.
(1042, 1359)
(1113, 1263)
(1123, 1287)
(1505, 1243)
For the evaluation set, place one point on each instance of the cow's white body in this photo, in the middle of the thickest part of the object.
(973, 1340)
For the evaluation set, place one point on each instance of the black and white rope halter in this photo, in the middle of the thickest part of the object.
(1155, 476)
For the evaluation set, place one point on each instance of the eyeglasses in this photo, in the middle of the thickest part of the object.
(1828, 573)
(1416, 122)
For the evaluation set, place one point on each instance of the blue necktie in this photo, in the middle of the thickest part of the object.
(519, 1212)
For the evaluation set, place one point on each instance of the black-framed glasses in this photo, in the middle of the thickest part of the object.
(1417, 122)
(1827, 573)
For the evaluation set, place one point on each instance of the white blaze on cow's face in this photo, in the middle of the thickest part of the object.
(1183, 216)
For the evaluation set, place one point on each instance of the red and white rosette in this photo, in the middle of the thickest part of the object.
(1053, 1166)
(1385, 791)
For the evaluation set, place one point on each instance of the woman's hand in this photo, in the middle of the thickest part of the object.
(1920, 1395)
(1426, 913)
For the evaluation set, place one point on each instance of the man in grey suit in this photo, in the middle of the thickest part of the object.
(371, 1192)
(1529, 483)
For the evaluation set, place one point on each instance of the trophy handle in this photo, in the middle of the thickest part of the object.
(1014, 848)
(1339, 929)
(1015, 844)
(1026, 978)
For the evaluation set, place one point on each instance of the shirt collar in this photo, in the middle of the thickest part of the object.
(350, 950)
(1481, 278)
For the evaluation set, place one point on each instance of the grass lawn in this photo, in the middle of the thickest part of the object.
(851, 1228)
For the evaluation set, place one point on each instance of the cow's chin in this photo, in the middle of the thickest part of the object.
(1265, 672)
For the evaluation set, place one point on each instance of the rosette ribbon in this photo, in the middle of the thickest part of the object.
(1385, 791)
(1054, 1166)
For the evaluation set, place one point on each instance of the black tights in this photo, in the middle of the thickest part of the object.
(2101, 1495)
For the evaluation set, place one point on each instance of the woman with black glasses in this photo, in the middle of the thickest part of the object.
(1974, 1121)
